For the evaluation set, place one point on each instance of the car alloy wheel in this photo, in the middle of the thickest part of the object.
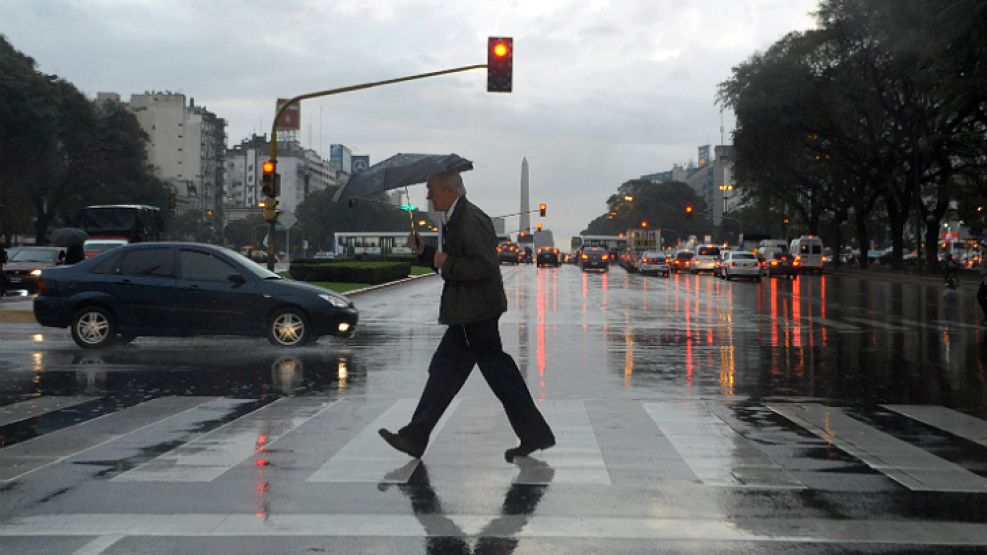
(93, 328)
(288, 328)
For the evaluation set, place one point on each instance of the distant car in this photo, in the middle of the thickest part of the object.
(508, 253)
(705, 259)
(780, 264)
(185, 289)
(93, 247)
(25, 264)
(682, 261)
(740, 264)
(595, 258)
(549, 256)
(653, 262)
(527, 256)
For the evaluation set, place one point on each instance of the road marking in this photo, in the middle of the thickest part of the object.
(876, 324)
(840, 326)
(734, 528)
(214, 453)
(910, 466)
(367, 458)
(38, 406)
(42, 451)
(576, 457)
(956, 423)
(99, 545)
(715, 452)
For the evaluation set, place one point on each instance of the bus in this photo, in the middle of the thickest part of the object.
(610, 242)
(377, 243)
(133, 222)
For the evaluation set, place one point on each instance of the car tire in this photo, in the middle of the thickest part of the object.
(288, 327)
(93, 327)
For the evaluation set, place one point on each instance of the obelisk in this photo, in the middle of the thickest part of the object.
(525, 220)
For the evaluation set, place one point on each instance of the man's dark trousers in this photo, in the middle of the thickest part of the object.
(461, 348)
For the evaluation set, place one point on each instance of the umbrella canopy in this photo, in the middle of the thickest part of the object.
(398, 171)
(68, 237)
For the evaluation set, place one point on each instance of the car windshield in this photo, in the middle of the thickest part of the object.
(709, 251)
(743, 256)
(684, 255)
(102, 246)
(34, 255)
(253, 267)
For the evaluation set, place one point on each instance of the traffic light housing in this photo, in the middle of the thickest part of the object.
(689, 210)
(269, 179)
(500, 64)
(271, 210)
(541, 209)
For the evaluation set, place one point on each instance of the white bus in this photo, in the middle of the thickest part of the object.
(377, 243)
(609, 242)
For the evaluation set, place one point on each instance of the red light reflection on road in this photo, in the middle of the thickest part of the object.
(797, 313)
(822, 309)
(774, 313)
(540, 328)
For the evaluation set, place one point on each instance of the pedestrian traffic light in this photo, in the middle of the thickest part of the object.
(539, 226)
(541, 209)
(689, 209)
(500, 64)
(269, 184)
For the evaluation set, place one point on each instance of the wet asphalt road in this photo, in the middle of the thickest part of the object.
(821, 415)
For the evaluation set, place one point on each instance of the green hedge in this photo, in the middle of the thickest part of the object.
(350, 271)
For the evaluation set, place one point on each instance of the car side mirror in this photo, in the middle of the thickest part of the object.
(236, 279)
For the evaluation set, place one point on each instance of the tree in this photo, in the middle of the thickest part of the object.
(662, 205)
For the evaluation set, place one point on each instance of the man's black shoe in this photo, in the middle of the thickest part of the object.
(402, 444)
(526, 449)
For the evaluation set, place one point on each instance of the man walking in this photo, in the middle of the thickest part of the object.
(472, 301)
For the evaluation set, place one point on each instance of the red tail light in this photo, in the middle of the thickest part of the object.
(604, 258)
(732, 263)
(42, 287)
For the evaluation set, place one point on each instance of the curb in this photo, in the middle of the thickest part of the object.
(930, 279)
(358, 292)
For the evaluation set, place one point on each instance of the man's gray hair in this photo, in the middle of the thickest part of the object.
(452, 179)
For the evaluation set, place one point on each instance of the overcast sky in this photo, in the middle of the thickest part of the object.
(604, 91)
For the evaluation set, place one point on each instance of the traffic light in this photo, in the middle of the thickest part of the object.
(541, 209)
(689, 209)
(269, 180)
(539, 226)
(172, 200)
(644, 224)
(500, 64)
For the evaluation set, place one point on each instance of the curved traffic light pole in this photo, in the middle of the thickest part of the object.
(274, 129)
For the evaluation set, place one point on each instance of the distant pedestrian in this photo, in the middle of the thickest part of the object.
(472, 301)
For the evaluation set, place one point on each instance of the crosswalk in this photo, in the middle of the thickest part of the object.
(202, 442)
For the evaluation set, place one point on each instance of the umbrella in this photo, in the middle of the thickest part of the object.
(68, 236)
(400, 170)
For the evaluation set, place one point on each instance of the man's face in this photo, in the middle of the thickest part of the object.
(441, 193)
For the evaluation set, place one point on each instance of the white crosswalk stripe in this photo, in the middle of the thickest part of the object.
(367, 458)
(212, 454)
(715, 452)
(908, 465)
(956, 423)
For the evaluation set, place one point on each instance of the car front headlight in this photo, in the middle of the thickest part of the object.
(334, 300)
(35, 273)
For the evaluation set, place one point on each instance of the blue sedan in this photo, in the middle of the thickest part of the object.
(185, 289)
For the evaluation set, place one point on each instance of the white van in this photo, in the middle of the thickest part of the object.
(768, 247)
(808, 253)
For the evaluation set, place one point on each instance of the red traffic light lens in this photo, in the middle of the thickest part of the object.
(268, 167)
(500, 50)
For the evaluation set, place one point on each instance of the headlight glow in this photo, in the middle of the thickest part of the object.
(35, 273)
(334, 300)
